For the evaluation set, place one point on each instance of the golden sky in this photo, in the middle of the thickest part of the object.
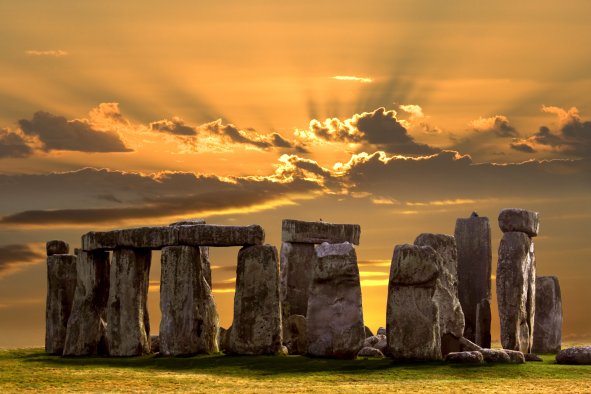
(397, 115)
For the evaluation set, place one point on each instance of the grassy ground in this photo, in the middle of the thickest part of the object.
(33, 370)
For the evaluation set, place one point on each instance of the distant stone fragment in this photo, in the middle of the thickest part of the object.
(88, 320)
(189, 323)
(298, 231)
(373, 340)
(532, 357)
(520, 220)
(335, 315)
(516, 291)
(370, 352)
(473, 240)
(464, 358)
(128, 328)
(155, 343)
(368, 332)
(297, 265)
(467, 345)
(548, 318)
(412, 317)
(495, 356)
(57, 247)
(381, 331)
(61, 285)
(295, 334)
(578, 355)
(257, 309)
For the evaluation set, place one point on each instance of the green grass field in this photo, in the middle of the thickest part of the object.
(33, 370)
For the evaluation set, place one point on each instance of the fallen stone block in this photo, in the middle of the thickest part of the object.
(521, 220)
(370, 352)
(532, 357)
(577, 355)
(495, 356)
(548, 318)
(464, 358)
(298, 231)
(516, 356)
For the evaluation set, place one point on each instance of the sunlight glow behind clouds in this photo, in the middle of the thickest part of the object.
(352, 78)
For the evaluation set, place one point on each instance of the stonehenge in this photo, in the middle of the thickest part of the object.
(516, 279)
(548, 316)
(473, 240)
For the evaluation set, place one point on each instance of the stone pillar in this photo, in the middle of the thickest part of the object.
(335, 316)
(205, 262)
(412, 314)
(548, 317)
(483, 320)
(473, 242)
(128, 325)
(190, 321)
(256, 328)
(61, 285)
(451, 317)
(87, 323)
(297, 265)
(516, 278)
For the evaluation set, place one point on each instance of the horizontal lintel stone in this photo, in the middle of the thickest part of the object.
(298, 231)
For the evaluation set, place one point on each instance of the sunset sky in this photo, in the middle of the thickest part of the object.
(398, 115)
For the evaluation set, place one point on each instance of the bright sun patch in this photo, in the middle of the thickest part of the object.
(352, 78)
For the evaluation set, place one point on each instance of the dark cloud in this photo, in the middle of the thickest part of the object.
(13, 145)
(58, 133)
(248, 136)
(10, 255)
(174, 126)
(498, 125)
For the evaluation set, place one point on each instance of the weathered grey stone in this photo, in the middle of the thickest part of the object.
(87, 323)
(532, 357)
(516, 291)
(370, 352)
(451, 317)
(283, 351)
(155, 343)
(295, 334)
(188, 222)
(128, 328)
(464, 358)
(335, 315)
(578, 355)
(223, 339)
(381, 331)
(368, 332)
(318, 232)
(467, 345)
(297, 265)
(495, 356)
(382, 345)
(516, 356)
(189, 323)
(548, 318)
(61, 285)
(159, 237)
(483, 321)
(412, 315)
(520, 220)
(57, 247)
(257, 309)
(373, 340)
(205, 262)
(473, 240)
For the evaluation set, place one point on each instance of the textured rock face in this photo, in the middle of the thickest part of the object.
(128, 328)
(295, 334)
(473, 240)
(519, 220)
(61, 285)
(189, 323)
(515, 356)
(57, 247)
(87, 323)
(205, 262)
(370, 352)
(548, 318)
(464, 358)
(297, 265)
(451, 317)
(516, 291)
(578, 355)
(368, 332)
(495, 356)
(257, 309)
(483, 316)
(298, 231)
(335, 315)
(159, 237)
(155, 343)
(412, 316)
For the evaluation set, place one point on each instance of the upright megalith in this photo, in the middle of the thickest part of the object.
(548, 317)
(335, 316)
(128, 325)
(61, 285)
(204, 250)
(451, 317)
(473, 240)
(516, 280)
(256, 328)
(87, 323)
(189, 323)
(412, 313)
(297, 266)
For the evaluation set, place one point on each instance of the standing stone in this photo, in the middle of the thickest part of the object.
(335, 314)
(451, 317)
(297, 265)
(128, 328)
(483, 315)
(473, 240)
(516, 291)
(412, 314)
(548, 318)
(205, 262)
(61, 285)
(189, 323)
(57, 247)
(87, 323)
(256, 328)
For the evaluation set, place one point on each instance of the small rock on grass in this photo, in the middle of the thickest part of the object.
(472, 357)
